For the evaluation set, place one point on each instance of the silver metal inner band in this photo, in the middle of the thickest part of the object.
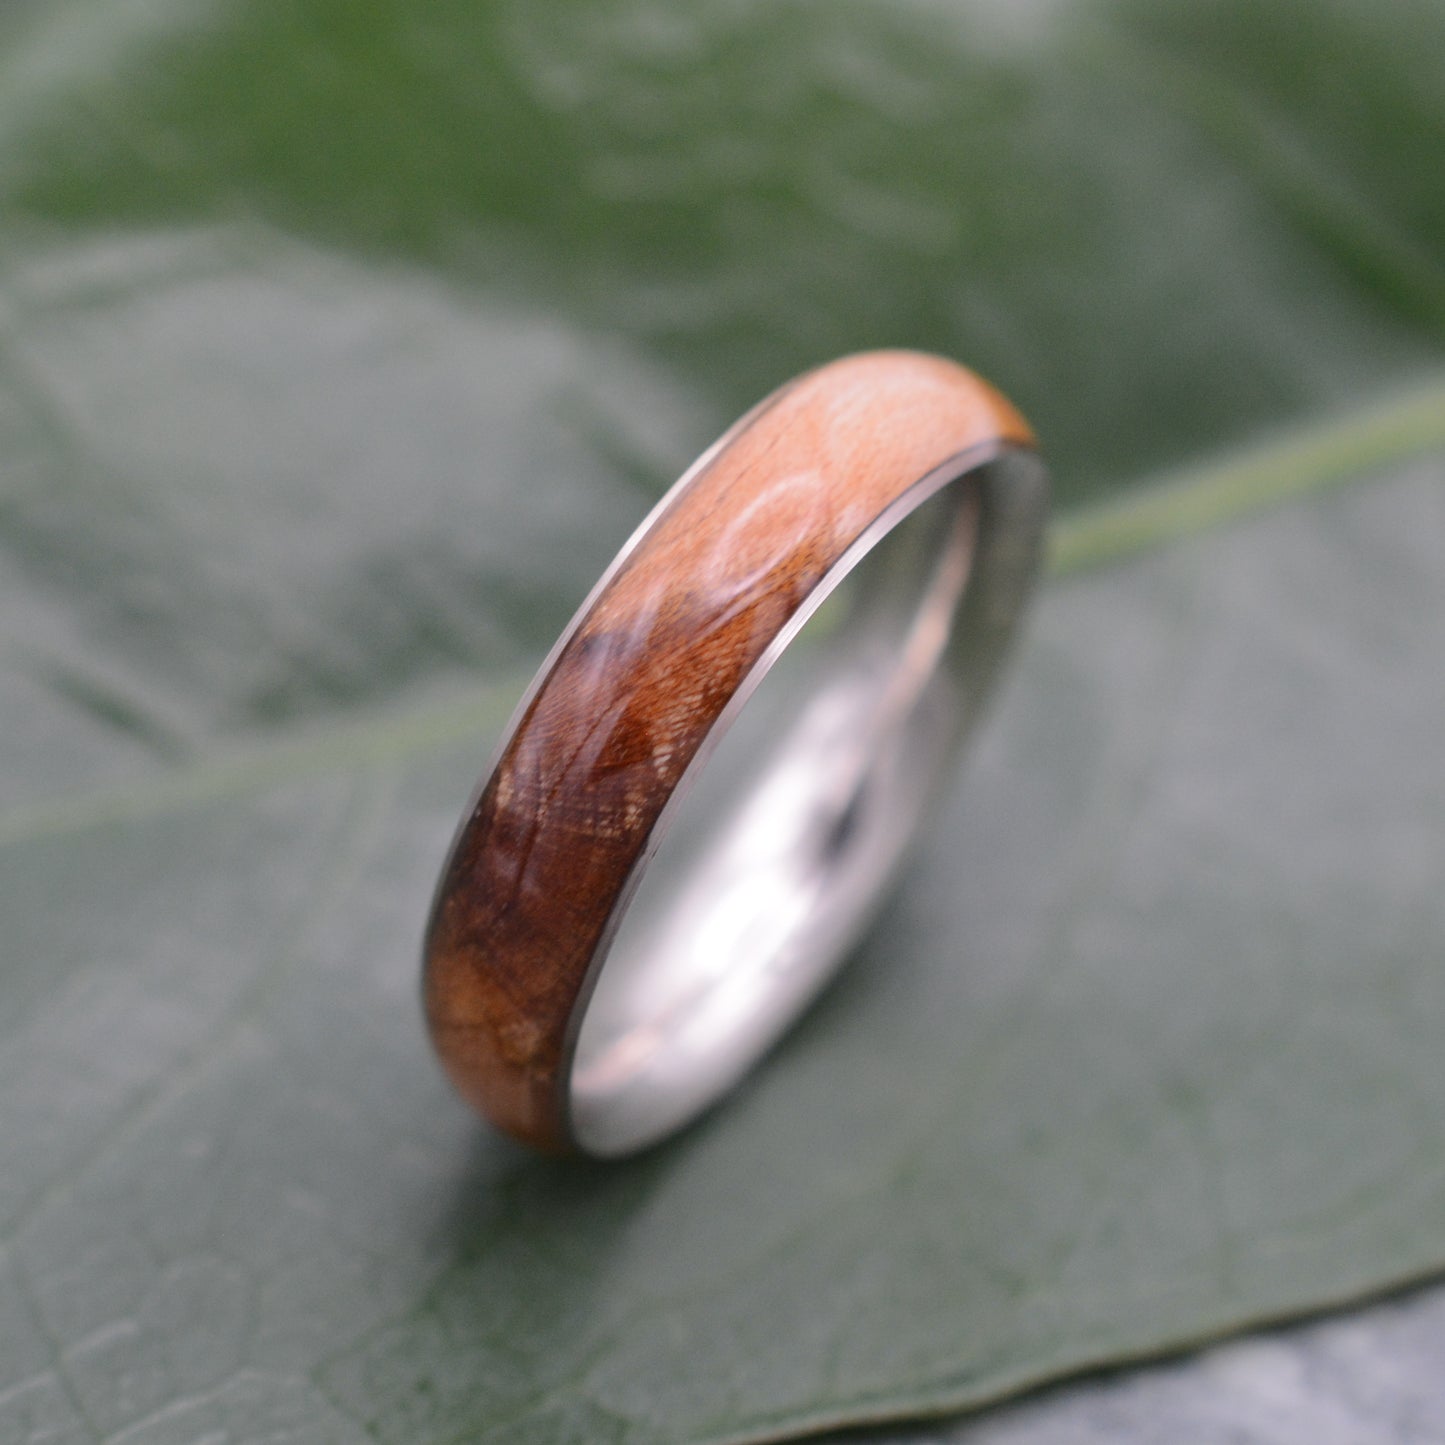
(779, 844)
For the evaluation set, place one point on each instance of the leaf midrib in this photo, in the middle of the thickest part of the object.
(1309, 459)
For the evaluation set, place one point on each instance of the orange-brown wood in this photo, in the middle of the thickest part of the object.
(532, 881)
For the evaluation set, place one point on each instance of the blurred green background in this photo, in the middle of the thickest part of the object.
(343, 342)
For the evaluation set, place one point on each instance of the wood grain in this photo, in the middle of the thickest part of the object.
(641, 676)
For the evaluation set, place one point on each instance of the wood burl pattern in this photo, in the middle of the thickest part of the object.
(531, 883)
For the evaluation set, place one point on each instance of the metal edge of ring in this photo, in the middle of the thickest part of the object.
(1023, 529)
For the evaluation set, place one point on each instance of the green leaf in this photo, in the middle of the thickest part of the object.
(344, 342)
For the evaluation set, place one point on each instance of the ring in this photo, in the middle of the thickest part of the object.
(654, 880)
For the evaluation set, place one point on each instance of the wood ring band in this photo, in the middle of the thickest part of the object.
(674, 629)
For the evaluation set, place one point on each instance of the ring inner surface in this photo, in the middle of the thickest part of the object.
(773, 853)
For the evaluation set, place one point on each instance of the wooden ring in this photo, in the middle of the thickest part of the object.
(695, 609)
